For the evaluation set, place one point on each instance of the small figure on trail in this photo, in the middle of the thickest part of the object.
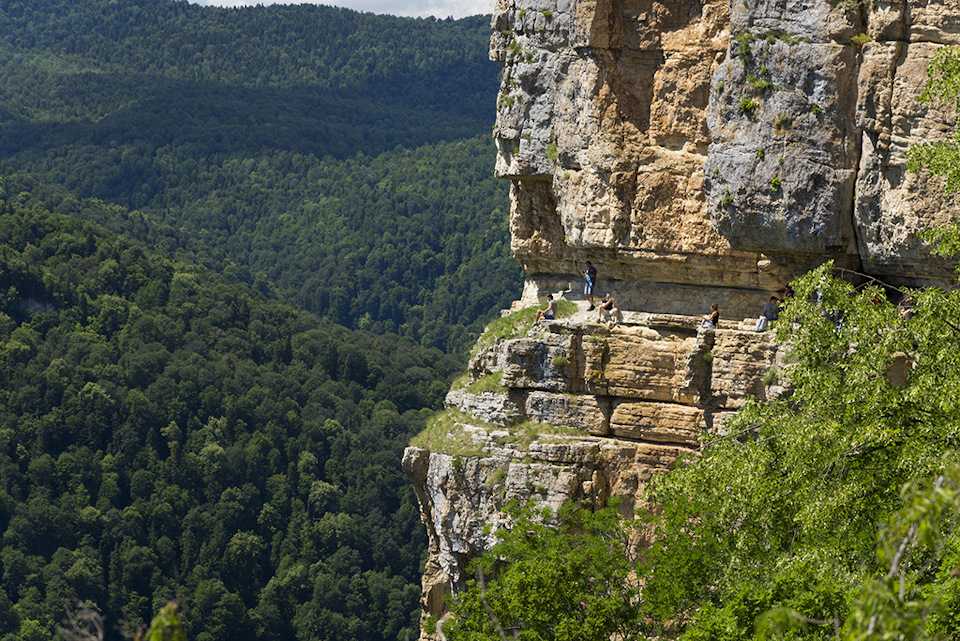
(712, 320)
(589, 282)
(905, 308)
(550, 311)
(607, 310)
(769, 313)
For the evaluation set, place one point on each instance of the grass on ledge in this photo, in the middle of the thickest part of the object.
(517, 324)
(445, 434)
(524, 434)
(489, 383)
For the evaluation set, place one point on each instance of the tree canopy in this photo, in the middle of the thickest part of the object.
(343, 158)
(167, 434)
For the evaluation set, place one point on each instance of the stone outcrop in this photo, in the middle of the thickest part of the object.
(712, 150)
(578, 411)
(697, 152)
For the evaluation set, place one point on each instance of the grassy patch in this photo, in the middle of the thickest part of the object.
(758, 83)
(783, 122)
(742, 43)
(748, 106)
(444, 433)
(523, 434)
(552, 152)
(860, 39)
(489, 383)
(727, 199)
(498, 476)
(516, 324)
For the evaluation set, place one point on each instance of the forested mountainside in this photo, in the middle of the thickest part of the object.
(298, 145)
(165, 433)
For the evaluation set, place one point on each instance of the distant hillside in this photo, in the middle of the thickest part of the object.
(247, 130)
(166, 434)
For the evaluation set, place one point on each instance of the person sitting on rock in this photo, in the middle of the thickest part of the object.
(549, 312)
(769, 313)
(589, 282)
(607, 310)
(712, 320)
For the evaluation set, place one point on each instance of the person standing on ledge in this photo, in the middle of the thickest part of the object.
(589, 282)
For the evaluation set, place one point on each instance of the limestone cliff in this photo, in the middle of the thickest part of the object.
(696, 151)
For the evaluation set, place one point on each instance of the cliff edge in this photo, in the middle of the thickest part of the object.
(696, 153)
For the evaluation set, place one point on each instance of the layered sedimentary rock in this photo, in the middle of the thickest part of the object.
(715, 149)
(578, 411)
(697, 152)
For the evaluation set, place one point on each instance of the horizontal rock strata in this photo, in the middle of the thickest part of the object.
(696, 152)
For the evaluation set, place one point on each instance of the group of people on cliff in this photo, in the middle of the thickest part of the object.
(607, 309)
(609, 312)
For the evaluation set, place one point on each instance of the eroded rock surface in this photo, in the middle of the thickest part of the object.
(581, 411)
(697, 152)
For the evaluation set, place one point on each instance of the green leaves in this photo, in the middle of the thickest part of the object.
(772, 533)
(562, 577)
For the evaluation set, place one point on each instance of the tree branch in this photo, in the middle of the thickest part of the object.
(482, 581)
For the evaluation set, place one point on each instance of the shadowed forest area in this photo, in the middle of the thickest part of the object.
(242, 254)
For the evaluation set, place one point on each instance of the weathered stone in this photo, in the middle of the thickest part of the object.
(499, 408)
(643, 363)
(582, 411)
(658, 422)
(546, 362)
(936, 21)
(782, 161)
(892, 204)
(740, 365)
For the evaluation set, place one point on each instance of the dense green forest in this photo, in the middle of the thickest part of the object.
(342, 158)
(165, 433)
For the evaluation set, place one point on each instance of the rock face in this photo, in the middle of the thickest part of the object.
(579, 411)
(697, 152)
(711, 150)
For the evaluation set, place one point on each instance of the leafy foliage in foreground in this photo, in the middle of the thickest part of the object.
(567, 581)
(165, 434)
(786, 514)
